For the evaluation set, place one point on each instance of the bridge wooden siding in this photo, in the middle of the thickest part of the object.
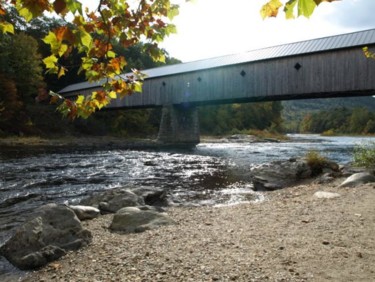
(326, 67)
(325, 74)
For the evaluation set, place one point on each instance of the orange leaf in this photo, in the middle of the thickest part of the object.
(60, 33)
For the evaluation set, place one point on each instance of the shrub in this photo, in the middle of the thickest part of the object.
(329, 132)
(316, 162)
(364, 155)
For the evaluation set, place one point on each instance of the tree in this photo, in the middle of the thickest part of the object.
(92, 33)
(20, 79)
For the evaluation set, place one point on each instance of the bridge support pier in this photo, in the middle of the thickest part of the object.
(179, 126)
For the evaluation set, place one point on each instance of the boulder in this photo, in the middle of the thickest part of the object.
(325, 178)
(358, 179)
(134, 219)
(152, 196)
(326, 195)
(85, 212)
(111, 201)
(53, 230)
(279, 174)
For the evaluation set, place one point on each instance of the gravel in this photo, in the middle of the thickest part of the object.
(290, 236)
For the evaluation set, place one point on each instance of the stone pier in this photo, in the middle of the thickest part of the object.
(179, 126)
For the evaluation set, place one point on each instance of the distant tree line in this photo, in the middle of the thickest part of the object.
(237, 118)
(340, 120)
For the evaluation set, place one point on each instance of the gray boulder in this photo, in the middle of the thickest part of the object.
(358, 179)
(279, 174)
(283, 173)
(111, 201)
(53, 230)
(134, 219)
(152, 196)
(85, 212)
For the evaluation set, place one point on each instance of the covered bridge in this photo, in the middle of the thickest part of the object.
(326, 67)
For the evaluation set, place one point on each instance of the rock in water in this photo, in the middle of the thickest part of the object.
(358, 179)
(53, 230)
(134, 219)
(85, 212)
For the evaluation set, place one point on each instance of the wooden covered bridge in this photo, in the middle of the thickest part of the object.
(320, 68)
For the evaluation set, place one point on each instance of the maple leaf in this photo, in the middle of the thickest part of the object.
(60, 6)
(6, 27)
(270, 9)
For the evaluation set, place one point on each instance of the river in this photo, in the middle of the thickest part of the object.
(211, 174)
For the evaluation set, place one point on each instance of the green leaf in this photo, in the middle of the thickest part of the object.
(289, 9)
(171, 28)
(63, 48)
(80, 99)
(306, 7)
(112, 95)
(85, 38)
(111, 54)
(56, 47)
(173, 12)
(50, 62)
(25, 13)
(6, 27)
(137, 86)
(74, 6)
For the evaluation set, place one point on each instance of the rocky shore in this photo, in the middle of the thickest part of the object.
(316, 223)
(293, 235)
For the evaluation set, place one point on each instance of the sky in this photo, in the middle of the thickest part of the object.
(211, 28)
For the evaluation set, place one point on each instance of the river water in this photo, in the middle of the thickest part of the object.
(211, 174)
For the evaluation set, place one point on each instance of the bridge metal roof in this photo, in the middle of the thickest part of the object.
(360, 38)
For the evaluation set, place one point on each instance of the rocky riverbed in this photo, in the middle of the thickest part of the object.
(293, 235)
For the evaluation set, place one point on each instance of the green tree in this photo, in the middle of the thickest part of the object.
(358, 120)
(370, 126)
(20, 82)
(20, 60)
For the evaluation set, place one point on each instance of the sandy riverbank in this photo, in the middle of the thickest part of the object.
(291, 236)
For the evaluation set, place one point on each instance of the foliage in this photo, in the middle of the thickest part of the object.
(315, 161)
(329, 132)
(20, 80)
(364, 155)
(92, 34)
(340, 120)
(225, 119)
(292, 8)
(294, 111)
